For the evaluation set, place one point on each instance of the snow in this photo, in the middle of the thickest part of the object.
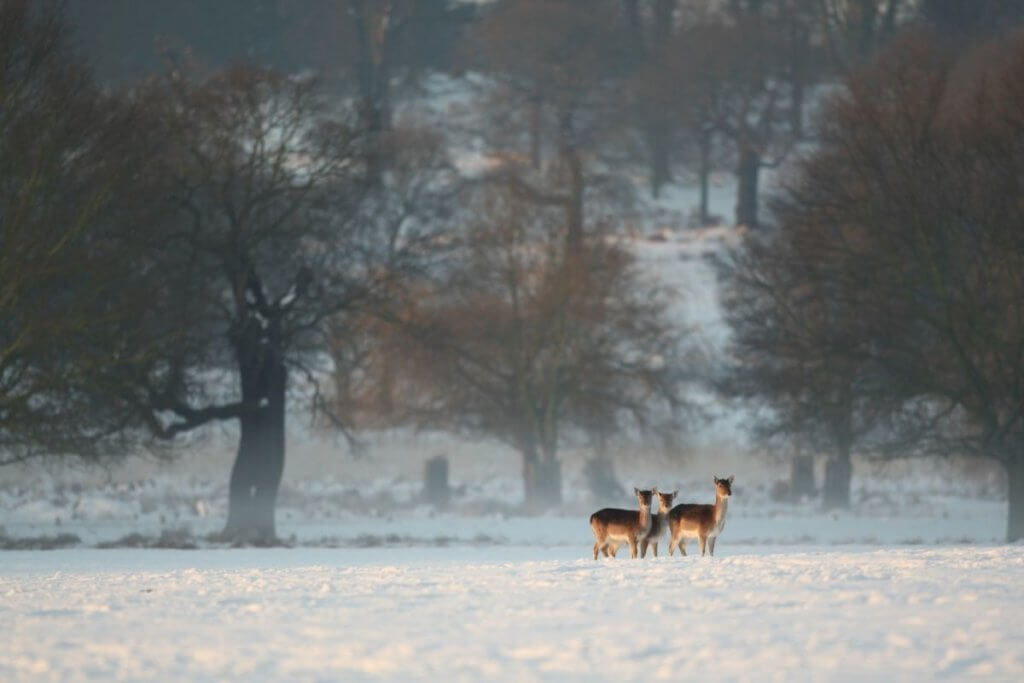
(519, 614)
(907, 585)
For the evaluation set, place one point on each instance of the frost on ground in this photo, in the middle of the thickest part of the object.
(168, 512)
(512, 614)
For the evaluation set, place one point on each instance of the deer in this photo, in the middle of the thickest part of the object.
(659, 523)
(612, 526)
(703, 522)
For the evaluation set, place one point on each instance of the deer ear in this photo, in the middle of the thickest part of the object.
(654, 490)
(731, 477)
(636, 491)
(715, 476)
(675, 493)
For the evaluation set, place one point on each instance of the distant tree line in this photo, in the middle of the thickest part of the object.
(242, 207)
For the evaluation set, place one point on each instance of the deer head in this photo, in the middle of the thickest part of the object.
(724, 486)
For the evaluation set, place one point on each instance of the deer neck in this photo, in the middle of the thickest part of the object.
(662, 515)
(645, 518)
(721, 507)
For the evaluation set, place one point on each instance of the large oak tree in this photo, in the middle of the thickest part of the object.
(267, 230)
(903, 231)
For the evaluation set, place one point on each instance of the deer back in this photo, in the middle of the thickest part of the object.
(616, 520)
(692, 516)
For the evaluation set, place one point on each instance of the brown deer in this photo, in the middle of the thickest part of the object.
(703, 522)
(659, 523)
(612, 526)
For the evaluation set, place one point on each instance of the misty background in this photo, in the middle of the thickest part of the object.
(287, 271)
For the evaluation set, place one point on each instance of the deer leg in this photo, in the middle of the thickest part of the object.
(654, 548)
(703, 544)
(601, 545)
(711, 545)
(643, 549)
(632, 547)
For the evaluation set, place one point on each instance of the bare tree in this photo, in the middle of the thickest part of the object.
(754, 99)
(272, 230)
(387, 40)
(651, 26)
(676, 90)
(559, 62)
(908, 219)
(520, 343)
(729, 75)
(794, 352)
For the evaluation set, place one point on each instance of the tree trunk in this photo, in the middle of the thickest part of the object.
(746, 199)
(631, 8)
(575, 233)
(386, 391)
(599, 473)
(796, 114)
(664, 21)
(705, 174)
(868, 12)
(374, 81)
(536, 110)
(799, 51)
(569, 151)
(435, 481)
(256, 474)
(375, 112)
(1015, 499)
(801, 476)
(659, 135)
(661, 171)
(838, 472)
(542, 481)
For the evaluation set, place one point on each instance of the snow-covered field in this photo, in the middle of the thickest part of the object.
(515, 614)
(906, 585)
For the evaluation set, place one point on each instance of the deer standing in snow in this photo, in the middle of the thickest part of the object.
(659, 523)
(612, 526)
(703, 522)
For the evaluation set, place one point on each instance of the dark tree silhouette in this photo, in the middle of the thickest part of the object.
(271, 230)
(906, 225)
(68, 294)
